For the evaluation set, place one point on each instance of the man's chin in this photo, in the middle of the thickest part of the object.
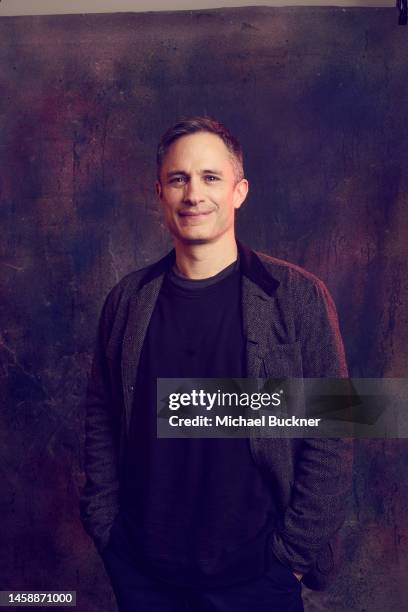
(190, 238)
(194, 240)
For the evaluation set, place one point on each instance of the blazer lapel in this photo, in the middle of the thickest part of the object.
(141, 308)
(258, 290)
(256, 314)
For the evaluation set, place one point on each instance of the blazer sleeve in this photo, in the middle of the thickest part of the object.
(323, 466)
(99, 501)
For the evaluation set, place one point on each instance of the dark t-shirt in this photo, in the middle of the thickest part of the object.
(196, 510)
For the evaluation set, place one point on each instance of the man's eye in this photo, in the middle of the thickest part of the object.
(210, 178)
(178, 180)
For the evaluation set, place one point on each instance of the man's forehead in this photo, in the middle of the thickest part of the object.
(199, 143)
(206, 150)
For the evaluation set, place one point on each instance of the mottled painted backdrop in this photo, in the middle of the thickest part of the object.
(318, 97)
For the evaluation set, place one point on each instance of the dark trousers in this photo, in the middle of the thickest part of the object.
(277, 590)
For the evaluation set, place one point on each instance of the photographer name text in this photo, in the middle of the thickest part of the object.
(240, 421)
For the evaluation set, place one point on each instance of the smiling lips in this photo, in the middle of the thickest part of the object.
(188, 213)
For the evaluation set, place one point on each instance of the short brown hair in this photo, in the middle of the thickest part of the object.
(192, 125)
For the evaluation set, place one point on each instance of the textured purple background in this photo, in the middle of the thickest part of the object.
(318, 97)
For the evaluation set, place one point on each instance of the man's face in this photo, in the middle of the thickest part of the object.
(198, 188)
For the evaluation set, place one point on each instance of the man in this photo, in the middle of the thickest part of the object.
(210, 524)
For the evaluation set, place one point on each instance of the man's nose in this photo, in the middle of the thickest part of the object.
(193, 192)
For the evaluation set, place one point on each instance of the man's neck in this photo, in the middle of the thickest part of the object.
(204, 260)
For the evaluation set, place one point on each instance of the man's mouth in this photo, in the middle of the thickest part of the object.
(188, 213)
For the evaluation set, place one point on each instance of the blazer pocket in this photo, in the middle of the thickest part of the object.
(283, 361)
(325, 561)
(323, 572)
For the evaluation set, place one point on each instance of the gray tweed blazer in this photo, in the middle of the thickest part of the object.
(291, 330)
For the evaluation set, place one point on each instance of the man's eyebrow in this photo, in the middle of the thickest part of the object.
(176, 173)
(183, 173)
(218, 172)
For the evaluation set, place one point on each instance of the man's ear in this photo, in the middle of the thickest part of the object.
(158, 189)
(241, 191)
